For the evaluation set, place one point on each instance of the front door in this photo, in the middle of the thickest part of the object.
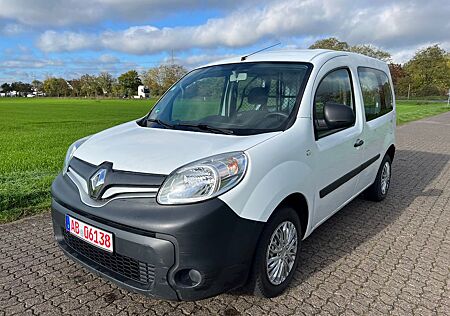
(337, 153)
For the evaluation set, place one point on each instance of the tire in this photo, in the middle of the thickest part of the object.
(380, 188)
(260, 283)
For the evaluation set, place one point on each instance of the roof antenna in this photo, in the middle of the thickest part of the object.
(258, 51)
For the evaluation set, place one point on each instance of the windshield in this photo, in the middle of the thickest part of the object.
(241, 99)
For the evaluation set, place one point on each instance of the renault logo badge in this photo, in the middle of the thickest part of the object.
(97, 181)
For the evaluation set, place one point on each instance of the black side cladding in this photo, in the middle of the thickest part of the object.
(336, 184)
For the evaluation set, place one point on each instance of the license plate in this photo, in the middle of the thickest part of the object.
(90, 234)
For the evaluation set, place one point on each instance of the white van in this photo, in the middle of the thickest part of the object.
(234, 166)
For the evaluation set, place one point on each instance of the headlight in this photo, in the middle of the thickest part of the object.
(203, 179)
(71, 151)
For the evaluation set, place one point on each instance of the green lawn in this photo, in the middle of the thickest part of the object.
(35, 134)
(408, 111)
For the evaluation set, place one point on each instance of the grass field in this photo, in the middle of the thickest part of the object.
(35, 134)
(408, 111)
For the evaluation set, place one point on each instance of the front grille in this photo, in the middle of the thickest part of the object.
(128, 267)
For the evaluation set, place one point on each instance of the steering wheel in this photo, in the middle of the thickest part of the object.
(284, 115)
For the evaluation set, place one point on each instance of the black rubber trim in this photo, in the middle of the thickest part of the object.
(346, 177)
(333, 131)
(390, 88)
(104, 221)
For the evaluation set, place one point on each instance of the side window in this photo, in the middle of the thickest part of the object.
(376, 92)
(335, 87)
(198, 100)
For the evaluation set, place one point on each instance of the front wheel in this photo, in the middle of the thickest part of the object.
(379, 189)
(277, 255)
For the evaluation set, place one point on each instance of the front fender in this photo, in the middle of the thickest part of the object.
(277, 168)
(261, 191)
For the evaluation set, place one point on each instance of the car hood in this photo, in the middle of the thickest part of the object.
(131, 147)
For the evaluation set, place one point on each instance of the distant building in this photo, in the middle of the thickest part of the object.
(143, 93)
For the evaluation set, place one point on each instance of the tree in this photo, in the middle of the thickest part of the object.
(62, 87)
(330, 43)
(56, 87)
(429, 72)
(6, 87)
(364, 49)
(129, 82)
(160, 79)
(397, 72)
(89, 86)
(51, 87)
(38, 86)
(116, 89)
(400, 79)
(371, 51)
(105, 82)
(21, 88)
(76, 87)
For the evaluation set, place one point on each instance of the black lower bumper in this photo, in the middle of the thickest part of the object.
(157, 246)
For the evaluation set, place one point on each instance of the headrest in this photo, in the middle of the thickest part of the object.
(257, 95)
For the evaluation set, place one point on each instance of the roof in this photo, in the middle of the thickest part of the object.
(314, 56)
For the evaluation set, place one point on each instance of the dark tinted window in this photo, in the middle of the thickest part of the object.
(335, 87)
(376, 92)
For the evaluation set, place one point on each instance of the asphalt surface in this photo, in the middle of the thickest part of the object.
(369, 259)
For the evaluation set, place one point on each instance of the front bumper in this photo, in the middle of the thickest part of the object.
(155, 245)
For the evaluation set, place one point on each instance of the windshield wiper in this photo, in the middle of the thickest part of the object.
(162, 123)
(206, 127)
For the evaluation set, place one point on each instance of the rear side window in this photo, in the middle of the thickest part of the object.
(335, 87)
(376, 92)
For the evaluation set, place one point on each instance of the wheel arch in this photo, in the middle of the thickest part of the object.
(391, 152)
(299, 203)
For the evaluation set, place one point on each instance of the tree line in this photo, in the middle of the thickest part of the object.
(157, 79)
(427, 73)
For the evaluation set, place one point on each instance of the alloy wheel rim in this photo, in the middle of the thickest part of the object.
(385, 178)
(281, 252)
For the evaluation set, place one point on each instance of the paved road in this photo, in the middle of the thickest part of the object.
(370, 258)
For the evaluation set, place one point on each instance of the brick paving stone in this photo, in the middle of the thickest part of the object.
(368, 259)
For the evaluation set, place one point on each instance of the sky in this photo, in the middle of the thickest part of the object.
(68, 38)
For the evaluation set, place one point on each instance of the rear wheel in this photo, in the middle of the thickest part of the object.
(379, 189)
(277, 255)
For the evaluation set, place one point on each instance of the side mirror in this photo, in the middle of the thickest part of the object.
(338, 115)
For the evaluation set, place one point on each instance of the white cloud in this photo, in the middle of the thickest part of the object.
(27, 63)
(401, 23)
(50, 12)
(79, 12)
(196, 60)
(382, 23)
(51, 41)
(12, 29)
(402, 55)
(15, 75)
(203, 59)
(108, 59)
(401, 27)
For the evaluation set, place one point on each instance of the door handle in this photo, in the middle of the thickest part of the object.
(359, 142)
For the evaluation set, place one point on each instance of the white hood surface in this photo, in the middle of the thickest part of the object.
(131, 147)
